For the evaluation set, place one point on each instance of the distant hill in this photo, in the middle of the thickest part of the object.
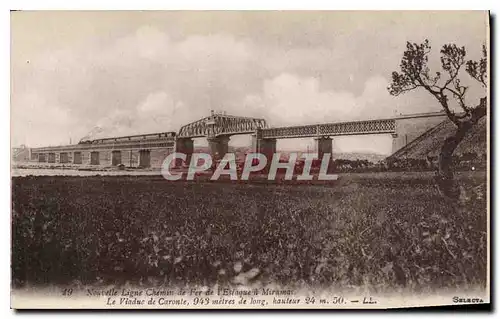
(430, 143)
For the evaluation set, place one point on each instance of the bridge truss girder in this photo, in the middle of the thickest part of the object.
(332, 129)
(221, 125)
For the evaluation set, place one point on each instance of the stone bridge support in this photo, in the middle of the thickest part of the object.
(324, 146)
(264, 146)
(185, 146)
(218, 146)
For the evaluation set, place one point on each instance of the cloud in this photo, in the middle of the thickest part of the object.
(136, 83)
(156, 78)
(158, 112)
(289, 99)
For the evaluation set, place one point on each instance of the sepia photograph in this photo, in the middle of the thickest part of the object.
(249, 159)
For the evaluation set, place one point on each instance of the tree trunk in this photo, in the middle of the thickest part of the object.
(444, 174)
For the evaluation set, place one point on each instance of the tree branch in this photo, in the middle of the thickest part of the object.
(460, 99)
(415, 73)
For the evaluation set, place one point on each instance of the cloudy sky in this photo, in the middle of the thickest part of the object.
(144, 72)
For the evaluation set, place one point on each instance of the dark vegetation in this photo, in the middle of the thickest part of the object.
(379, 231)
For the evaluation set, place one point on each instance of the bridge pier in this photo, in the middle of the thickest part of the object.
(324, 146)
(218, 146)
(185, 146)
(264, 146)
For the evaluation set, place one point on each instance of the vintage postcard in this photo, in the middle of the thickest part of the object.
(249, 159)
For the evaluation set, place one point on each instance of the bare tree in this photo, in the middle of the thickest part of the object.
(444, 85)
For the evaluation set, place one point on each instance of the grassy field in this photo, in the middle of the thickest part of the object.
(373, 230)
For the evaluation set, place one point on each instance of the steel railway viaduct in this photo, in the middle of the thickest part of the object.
(149, 150)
